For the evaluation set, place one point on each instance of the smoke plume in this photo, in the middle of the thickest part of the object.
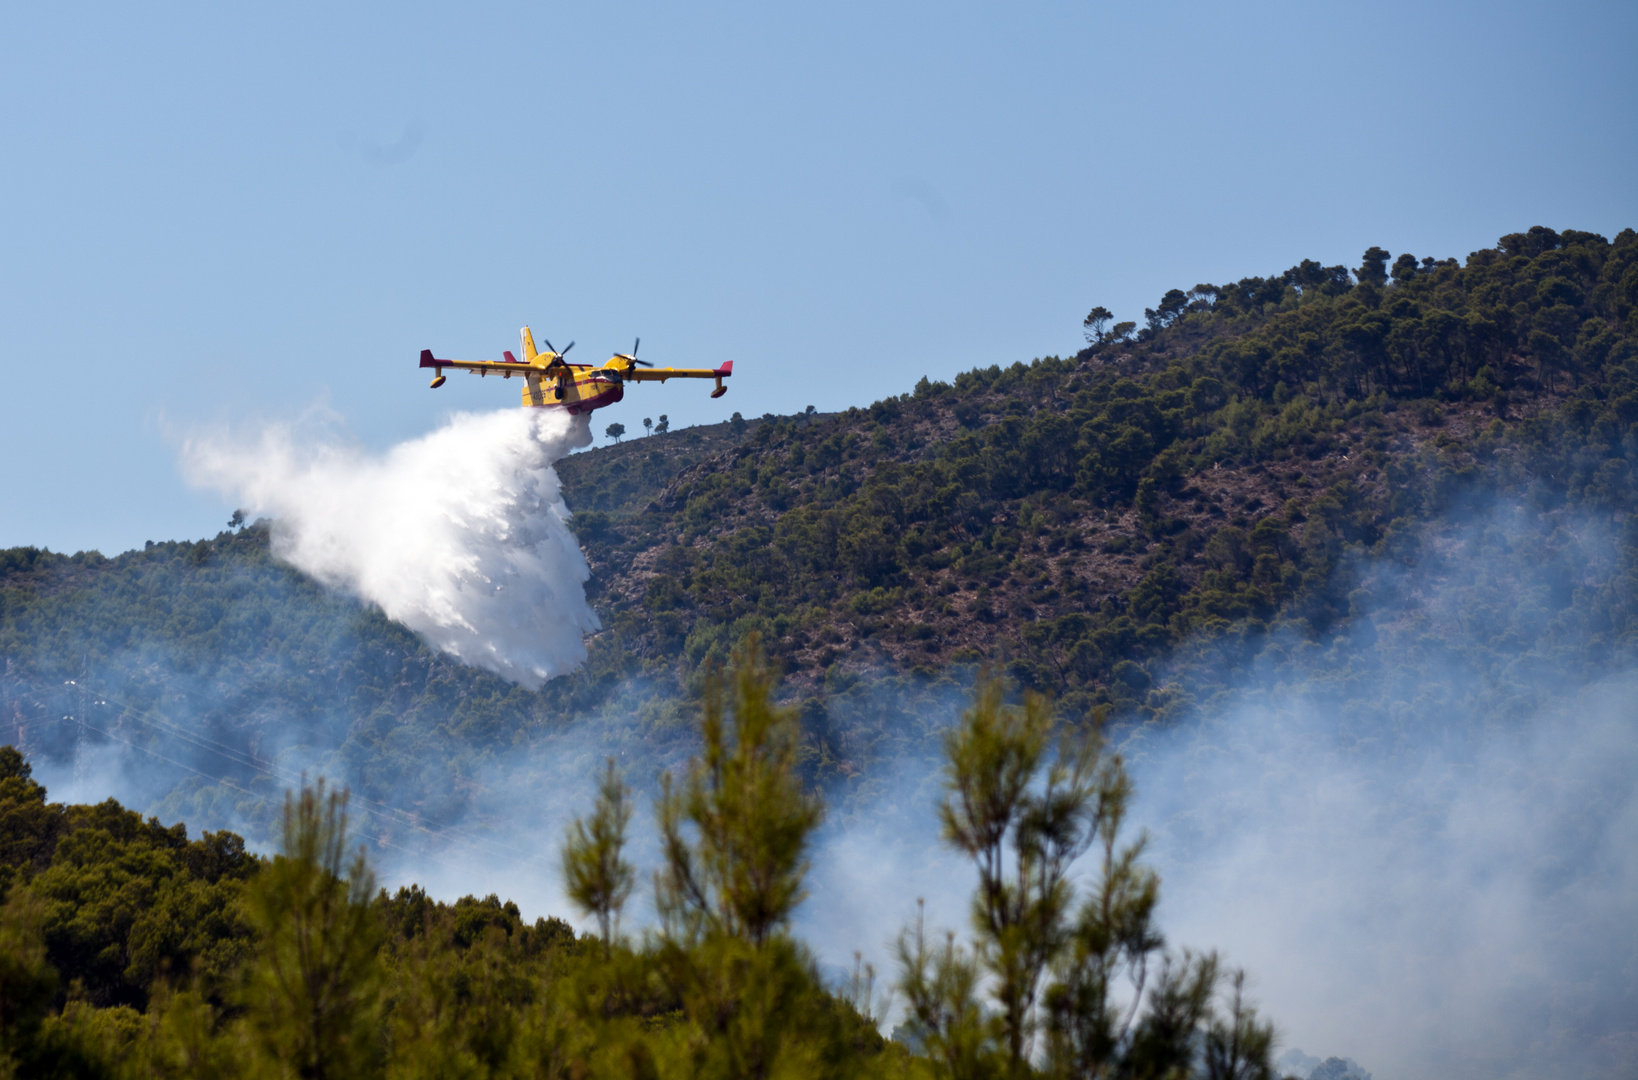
(1419, 836)
(461, 535)
(1456, 905)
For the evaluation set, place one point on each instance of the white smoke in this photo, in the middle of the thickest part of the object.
(462, 535)
(1419, 839)
(1459, 906)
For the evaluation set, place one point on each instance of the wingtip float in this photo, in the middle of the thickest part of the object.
(551, 382)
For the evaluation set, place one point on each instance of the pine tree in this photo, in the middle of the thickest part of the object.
(596, 877)
(313, 994)
(1026, 796)
(735, 838)
(736, 835)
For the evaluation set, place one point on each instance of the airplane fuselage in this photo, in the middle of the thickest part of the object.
(589, 389)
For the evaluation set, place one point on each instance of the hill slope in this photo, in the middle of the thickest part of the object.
(1070, 515)
(1234, 473)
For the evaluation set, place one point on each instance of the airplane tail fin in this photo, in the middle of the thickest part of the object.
(527, 341)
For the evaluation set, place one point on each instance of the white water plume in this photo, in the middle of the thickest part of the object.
(462, 534)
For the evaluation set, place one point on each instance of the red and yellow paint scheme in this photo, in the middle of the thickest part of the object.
(549, 382)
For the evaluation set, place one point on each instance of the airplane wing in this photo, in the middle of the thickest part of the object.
(661, 374)
(509, 366)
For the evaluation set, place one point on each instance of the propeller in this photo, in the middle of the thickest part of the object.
(560, 355)
(633, 357)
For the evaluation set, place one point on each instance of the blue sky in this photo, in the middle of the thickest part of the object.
(231, 213)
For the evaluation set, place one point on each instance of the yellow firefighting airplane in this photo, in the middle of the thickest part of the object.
(550, 382)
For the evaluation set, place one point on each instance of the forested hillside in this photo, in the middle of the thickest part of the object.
(1233, 472)
(1216, 471)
